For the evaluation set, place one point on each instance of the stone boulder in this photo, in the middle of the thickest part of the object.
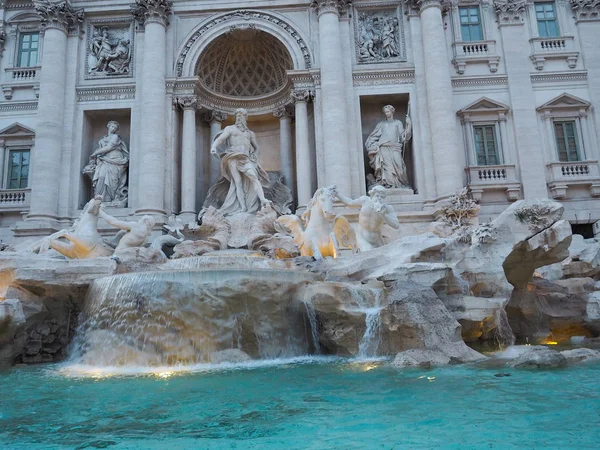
(583, 261)
(539, 357)
(556, 311)
(580, 355)
(232, 355)
(420, 358)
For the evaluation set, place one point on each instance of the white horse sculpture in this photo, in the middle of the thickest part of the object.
(314, 234)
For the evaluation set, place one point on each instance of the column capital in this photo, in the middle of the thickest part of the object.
(586, 10)
(283, 112)
(146, 11)
(214, 116)
(302, 95)
(331, 6)
(187, 102)
(511, 12)
(421, 5)
(58, 14)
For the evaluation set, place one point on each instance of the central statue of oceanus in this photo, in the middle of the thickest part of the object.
(244, 187)
(314, 234)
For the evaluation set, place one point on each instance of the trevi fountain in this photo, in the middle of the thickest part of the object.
(286, 314)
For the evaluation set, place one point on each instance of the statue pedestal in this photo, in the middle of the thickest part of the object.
(239, 230)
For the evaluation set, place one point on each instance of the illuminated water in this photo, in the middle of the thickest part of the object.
(303, 404)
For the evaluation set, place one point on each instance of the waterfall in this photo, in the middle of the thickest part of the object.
(370, 341)
(314, 330)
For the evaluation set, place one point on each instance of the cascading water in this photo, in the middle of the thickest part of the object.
(184, 317)
(314, 326)
(369, 303)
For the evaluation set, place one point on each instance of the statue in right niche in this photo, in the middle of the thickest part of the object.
(385, 148)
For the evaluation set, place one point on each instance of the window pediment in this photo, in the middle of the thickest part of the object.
(565, 102)
(16, 130)
(482, 106)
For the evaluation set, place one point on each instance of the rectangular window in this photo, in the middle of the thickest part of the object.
(18, 169)
(470, 24)
(566, 141)
(485, 145)
(28, 49)
(545, 14)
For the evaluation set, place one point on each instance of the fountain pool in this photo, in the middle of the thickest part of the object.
(302, 403)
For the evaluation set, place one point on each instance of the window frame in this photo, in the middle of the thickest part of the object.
(578, 147)
(8, 165)
(469, 25)
(20, 50)
(546, 21)
(497, 145)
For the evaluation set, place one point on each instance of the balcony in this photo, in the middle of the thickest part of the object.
(501, 177)
(20, 78)
(553, 48)
(475, 52)
(562, 175)
(15, 200)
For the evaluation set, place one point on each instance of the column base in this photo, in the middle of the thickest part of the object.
(151, 212)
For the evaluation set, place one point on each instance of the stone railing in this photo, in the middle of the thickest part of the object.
(474, 52)
(22, 74)
(561, 175)
(553, 48)
(499, 177)
(15, 199)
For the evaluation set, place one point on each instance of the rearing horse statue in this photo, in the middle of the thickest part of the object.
(314, 234)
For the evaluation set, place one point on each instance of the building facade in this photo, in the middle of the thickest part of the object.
(501, 94)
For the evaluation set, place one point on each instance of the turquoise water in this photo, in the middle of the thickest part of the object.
(303, 404)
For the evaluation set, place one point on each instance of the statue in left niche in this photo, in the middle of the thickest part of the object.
(109, 55)
(108, 168)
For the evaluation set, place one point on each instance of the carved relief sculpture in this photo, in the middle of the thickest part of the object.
(245, 186)
(374, 214)
(379, 37)
(385, 148)
(109, 52)
(108, 168)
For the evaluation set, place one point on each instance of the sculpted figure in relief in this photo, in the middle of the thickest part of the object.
(245, 187)
(378, 36)
(133, 234)
(385, 148)
(108, 168)
(108, 56)
(374, 214)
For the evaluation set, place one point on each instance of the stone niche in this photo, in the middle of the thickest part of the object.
(94, 128)
(371, 114)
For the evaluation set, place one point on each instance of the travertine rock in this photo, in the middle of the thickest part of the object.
(420, 358)
(539, 357)
(580, 355)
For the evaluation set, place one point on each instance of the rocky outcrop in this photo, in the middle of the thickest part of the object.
(555, 311)
(539, 357)
(420, 358)
(583, 261)
(580, 355)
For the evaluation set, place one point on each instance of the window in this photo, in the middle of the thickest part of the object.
(566, 141)
(470, 24)
(485, 145)
(18, 169)
(28, 49)
(545, 14)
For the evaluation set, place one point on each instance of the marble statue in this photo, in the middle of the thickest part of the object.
(314, 234)
(374, 214)
(108, 168)
(135, 233)
(82, 241)
(245, 187)
(108, 55)
(385, 148)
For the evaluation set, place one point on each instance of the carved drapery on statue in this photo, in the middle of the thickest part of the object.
(244, 186)
(108, 168)
(385, 149)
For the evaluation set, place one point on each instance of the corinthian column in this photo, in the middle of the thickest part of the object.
(285, 146)
(303, 171)
(447, 155)
(333, 94)
(57, 18)
(153, 15)
(188, 157)
(214, 119)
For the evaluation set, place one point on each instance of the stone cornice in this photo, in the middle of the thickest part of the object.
(561, 77)
(586, 10)
(18, 106)
(511, 12)
(470, 82)
(328, 6)
(59, 15)
(383, 77)
(102, 93)
(157, 11)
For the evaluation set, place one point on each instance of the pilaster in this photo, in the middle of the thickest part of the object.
(156, 11)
